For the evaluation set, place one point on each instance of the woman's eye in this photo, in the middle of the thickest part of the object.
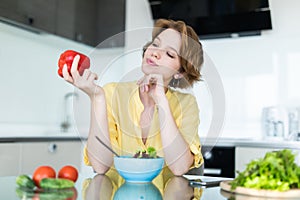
(155, 44)
(170, 55)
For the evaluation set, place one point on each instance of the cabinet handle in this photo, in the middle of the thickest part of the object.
(52, 148)
(30, 20)
(213, 171)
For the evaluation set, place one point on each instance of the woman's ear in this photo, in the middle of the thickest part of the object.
(178, 76)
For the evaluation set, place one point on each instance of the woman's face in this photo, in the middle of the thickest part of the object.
(162, 56)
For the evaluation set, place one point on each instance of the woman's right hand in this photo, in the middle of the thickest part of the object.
(85, 82)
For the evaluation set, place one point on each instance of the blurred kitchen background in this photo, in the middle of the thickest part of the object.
(259, 73)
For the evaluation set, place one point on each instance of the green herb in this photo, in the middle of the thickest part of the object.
(150, 153)
(276, 171)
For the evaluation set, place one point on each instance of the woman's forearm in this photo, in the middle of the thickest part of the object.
(176, 150)
(100, 158)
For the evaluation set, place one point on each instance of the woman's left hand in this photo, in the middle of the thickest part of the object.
(151, 88)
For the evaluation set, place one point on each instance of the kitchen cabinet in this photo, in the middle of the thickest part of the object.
(56, 154)
(89, 22)
(95, 21)
(110, 23)
(245, 154)
(10, 158)
(37, 14)
(65, 15)
(24, 157)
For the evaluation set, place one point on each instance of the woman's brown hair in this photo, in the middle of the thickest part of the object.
(191, 53)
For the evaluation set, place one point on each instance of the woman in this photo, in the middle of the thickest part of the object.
(134, 115)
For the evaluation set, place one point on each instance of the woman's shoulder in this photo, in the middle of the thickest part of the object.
(120, 87)
(114, 85)
(182, 94)
(182, 100)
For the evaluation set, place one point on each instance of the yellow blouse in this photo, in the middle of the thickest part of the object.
(124, 109)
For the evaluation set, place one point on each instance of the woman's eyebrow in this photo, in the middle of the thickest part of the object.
(168, 46)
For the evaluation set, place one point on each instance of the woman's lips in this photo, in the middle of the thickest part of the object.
(151, 62)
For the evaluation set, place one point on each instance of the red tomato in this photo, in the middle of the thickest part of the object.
(67, 57)
(68, 172)
(43, 172)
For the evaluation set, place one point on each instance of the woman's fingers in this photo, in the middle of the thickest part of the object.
(74, 74)
(74, 67)
(156, 79)
(66, 74)
(141, 80)
(141, 84)
(89, 75)
(151, 88)
(86, 74)
(145, 87)
(149, 81)
(84, 82)
(93, 76)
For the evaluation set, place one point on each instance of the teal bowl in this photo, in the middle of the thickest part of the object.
(138, 170)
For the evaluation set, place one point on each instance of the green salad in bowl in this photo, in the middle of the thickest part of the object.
(149, 153)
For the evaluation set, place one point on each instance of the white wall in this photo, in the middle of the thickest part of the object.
(256, 71)
(260, 71)
(32, 94)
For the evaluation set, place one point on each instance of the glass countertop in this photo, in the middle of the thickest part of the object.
(104, 187)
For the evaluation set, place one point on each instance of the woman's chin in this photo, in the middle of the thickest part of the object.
(151, 69)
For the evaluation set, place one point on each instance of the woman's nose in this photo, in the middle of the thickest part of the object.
(156, 53)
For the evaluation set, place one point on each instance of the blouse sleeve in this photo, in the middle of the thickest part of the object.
(189, 128)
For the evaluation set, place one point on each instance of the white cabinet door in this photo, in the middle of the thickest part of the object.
(55, 154)
(10, 160)
(243, 155)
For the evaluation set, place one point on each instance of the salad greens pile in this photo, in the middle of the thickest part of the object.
(149, 153)
(276, 171)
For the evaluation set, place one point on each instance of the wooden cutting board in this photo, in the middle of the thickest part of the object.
(293, 193)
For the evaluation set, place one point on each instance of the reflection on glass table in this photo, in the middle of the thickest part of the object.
(104, 187)
(112, 186)
(137, 191)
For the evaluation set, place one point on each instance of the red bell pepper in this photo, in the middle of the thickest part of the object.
(67, 57)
